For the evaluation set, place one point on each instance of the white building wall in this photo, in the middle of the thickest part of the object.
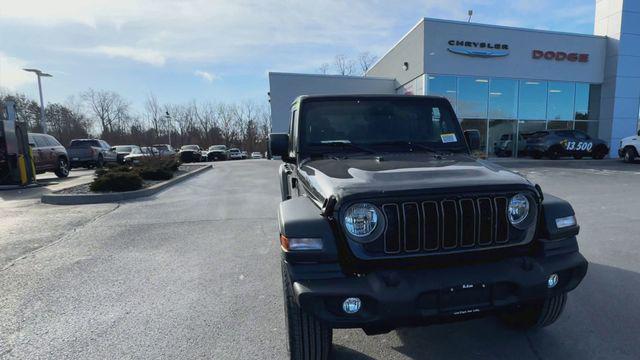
(409, 50)
(285, 87)
(620, 102)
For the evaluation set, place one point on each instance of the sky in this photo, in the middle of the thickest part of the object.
(222, 51)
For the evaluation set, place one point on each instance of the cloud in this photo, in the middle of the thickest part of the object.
(11, 74)
(207, 76)
(148, 56)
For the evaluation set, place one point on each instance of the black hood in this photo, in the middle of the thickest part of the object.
(393, 173)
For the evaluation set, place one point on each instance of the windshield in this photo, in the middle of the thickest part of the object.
(84, 143)
(161, 147)
(378, 124)
(189, 147)
(234, 150)
(217, 147)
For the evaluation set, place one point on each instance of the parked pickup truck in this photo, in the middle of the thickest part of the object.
(90, 153)
(629, 148)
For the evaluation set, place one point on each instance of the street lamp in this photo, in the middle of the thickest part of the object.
(40, 74)
(168, 119)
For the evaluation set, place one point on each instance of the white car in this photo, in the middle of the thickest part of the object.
(256, 155)
(629, 148)
(235, 154)
(140, 153)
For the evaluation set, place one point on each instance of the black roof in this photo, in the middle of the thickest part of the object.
(366, 96)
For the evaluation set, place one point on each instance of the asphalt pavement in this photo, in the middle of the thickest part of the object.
(193, 272)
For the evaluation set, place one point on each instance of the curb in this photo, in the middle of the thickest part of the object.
(80, 199)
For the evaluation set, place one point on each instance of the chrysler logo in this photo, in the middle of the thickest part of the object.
(478, 49)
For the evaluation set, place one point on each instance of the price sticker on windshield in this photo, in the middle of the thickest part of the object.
(448, 138)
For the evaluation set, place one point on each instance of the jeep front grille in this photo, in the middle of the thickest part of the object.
(445, 225)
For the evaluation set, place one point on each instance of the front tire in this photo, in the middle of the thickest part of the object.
(537, 314)
(62, 171)
(630, 155)
(309, 339)
(554, 153)
(600, 152)
(100, 162)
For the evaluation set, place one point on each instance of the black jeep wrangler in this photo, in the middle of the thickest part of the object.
(387, 221)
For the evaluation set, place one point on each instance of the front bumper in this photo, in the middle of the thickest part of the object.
(393, 298)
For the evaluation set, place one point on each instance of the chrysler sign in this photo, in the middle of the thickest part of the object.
(478, 48)
(560, 56)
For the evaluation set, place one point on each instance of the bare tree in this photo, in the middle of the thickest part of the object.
(109, 108)
(366, 60)
(226, 115)
(206, 116)
(154, 113)
(344, 65)
(324, 68)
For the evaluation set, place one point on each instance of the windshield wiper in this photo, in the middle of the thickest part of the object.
(412, 145)
(344, 144)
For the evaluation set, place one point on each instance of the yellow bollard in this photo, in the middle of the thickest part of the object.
(22, 168)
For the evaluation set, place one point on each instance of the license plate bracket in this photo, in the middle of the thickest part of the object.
(465, 298)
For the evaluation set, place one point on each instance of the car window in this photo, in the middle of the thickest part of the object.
(40, 140)
(121, 148)
(580, 135)
(105, 145)
(53, 141)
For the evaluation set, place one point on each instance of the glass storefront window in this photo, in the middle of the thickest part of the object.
(560, 100)
(527, 128)
(506, 111)
(472, 97)
(560, 125)
(589, 127)
(503, 99)
(532, 104)
(441, 85)
(582, 101)
(502, 138)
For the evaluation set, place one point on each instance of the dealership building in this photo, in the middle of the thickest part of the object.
(503, 80)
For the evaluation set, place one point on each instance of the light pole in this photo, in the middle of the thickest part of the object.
(168, 117)
(40, 74)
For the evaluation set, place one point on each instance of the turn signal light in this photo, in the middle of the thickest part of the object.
(300, 244)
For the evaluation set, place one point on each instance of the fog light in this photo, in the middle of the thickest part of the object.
(351, 305)
(552, 281)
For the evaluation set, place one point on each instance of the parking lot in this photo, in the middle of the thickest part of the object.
(193, 272)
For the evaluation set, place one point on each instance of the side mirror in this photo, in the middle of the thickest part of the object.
(473, 139)
(279, 144)
(113, 149)
(638, 132)
(32, 145)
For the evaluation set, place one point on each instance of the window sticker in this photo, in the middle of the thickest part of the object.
(448, 138)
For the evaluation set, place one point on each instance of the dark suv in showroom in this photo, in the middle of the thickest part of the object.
(387, 220)
(49, 155)
(557, 143)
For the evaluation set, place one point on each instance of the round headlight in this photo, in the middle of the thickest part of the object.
(361, 220)
(518, 209)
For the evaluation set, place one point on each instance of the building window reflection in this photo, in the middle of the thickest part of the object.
(506, 111)
(472, 97)
(503, 138)
(560, 101)
(503, 99)
(445, 86)
(532, 104)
